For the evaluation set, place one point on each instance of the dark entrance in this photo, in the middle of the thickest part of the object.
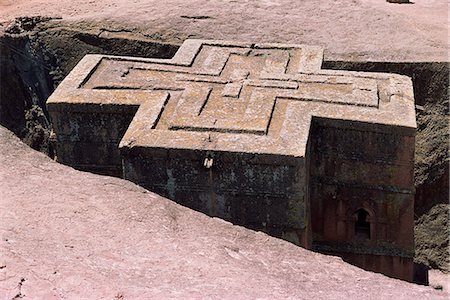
(362, 226)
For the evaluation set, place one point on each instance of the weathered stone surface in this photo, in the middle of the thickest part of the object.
(67, 234)
(252, 133)
(361, 30)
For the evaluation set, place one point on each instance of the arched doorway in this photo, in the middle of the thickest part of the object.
(362, 225)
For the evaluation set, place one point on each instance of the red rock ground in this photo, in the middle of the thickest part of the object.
(72, 235)
(67, 234)
(347, 29)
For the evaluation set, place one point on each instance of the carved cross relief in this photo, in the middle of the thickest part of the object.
(211, 91)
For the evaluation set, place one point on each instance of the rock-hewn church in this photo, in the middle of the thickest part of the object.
(256, 134)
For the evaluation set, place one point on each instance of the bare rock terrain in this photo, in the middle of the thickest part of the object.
(76, 235)
(66, 234)
(347, 29)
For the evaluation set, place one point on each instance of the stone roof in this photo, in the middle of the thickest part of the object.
(240, 97)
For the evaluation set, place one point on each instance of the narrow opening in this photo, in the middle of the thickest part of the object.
(362, 226)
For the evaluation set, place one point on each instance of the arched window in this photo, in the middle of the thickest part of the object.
(362, 226)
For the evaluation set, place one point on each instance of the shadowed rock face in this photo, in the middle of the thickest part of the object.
(432, 249)
(398, 1)
(70, 234)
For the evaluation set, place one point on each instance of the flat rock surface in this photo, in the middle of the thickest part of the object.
(348, 29)
(74, 235)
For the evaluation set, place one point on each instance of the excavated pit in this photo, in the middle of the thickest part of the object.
(36, 54)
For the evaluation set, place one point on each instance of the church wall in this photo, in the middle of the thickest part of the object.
(392, 266)
(261, 192)
(89, 135)
(357, 167)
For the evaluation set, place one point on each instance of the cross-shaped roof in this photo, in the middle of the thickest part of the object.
(239, 97)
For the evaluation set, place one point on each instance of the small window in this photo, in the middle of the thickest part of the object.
(362, 226)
